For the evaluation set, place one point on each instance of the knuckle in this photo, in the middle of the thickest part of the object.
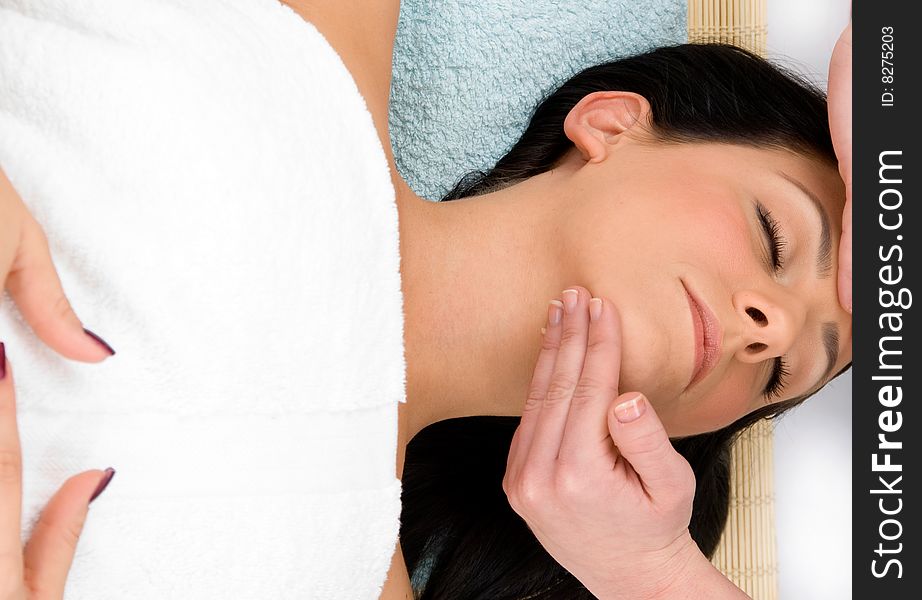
(679, 489)
(591, 387)
(559, 391)
(650, 442)
(685, 482)
(62, 308)
(512, 496)
(573, 334)
(69, 534)
(60, 533)
(570, 486)
(677, 501)
(534, 400)
(598, 343)
(10, 467)
(548, 344)
(526, 493)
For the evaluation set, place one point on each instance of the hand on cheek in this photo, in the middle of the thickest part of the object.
(591, 471)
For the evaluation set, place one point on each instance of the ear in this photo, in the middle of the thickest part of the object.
(598, 120)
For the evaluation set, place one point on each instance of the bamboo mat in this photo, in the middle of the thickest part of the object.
(739, 22)
(747, 553)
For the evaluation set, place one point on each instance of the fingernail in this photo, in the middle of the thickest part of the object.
(630, 410)
(2, 361)
(595, 309)
(110, 473)
(554, 312)
(100, 341)
(570, 297)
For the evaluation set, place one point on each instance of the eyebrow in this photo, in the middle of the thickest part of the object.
(831, 345)
(824, 253)
(830, 331)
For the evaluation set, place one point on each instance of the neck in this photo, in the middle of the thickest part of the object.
(477, 274)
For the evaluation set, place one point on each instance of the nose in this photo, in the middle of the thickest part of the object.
(770, 324)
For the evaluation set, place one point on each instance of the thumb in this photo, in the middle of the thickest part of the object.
(845, 257)
(35, 287)
(642, 440)
(50, 551)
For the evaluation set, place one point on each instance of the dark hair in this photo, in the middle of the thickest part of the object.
(460, 538)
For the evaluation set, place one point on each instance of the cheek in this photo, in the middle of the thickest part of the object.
(719, 407)
(719, 238)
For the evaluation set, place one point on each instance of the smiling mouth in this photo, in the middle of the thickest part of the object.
(707, 338)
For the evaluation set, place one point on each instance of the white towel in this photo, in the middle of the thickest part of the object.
(221, 211)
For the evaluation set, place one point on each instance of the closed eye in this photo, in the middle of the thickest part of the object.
(776, 382)
(773, 235)
(776, 244)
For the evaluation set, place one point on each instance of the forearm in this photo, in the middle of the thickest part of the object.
(702, 580)
(693, 578)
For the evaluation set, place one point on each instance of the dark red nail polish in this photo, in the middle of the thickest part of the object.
(110, 472)
(2, 360)
(100, 341)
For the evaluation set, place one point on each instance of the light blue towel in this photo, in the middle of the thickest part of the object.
(469, 73)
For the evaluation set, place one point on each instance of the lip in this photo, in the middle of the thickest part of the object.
(708, 336)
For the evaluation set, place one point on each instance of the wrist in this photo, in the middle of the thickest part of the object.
(680, 572)
(695, 577)
(686, 566)
(662, 576)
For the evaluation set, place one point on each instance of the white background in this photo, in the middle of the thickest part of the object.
(813, 443)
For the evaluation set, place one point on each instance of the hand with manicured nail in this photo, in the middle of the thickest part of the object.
(840, 127)
(593, 473)
(38, 571)
(27, 273)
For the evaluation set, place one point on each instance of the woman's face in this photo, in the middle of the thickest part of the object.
(715, 255)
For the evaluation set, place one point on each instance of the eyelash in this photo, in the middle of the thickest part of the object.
(777, 380)
(773, 231)
(780, 373)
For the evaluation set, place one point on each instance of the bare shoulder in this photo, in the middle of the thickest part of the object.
(362, 33)
(397, 586)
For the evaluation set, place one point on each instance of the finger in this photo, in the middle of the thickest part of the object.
(552, 416)
(845, 259)
(10, 225)
(537, 390)
(50, 551)
(839, 91)
(586, 435)
(839, 106)
(10, 474)
(34, 285)
(641, 439)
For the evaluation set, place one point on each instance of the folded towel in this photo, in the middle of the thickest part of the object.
(220, 209)
(468, 73)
